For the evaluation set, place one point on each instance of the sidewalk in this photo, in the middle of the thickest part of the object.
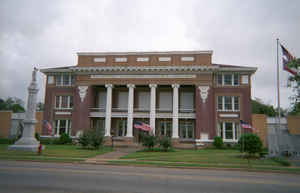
(116, 154)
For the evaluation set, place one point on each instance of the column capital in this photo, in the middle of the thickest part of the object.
(109, 85)
(152, 85)
(130, 86)
(175, 85)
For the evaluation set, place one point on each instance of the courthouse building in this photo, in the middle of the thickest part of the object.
(180, 94)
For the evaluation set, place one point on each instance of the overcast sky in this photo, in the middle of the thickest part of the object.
(49, 33)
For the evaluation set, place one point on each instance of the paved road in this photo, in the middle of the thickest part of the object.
(68, 178)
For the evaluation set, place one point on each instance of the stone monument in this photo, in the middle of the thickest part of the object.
(28, 142)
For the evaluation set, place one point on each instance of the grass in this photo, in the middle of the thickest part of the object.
(60, 153)
(203, 156)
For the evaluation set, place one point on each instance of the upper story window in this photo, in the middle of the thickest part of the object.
(65, 80)
(187, 58)
(228, 79)
(228, 103)
(64, 102)
(186, 102)
(142, 59)
(165, 101)
(121, 59)
(102, 59)
(164, 59)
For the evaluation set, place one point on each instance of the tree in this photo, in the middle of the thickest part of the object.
(250, 143)
(294, 83)
(12, 104)
(258, 107)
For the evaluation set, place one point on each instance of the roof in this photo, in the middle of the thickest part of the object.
(144, 53)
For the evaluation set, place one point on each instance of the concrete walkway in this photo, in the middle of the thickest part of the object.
(116, 154)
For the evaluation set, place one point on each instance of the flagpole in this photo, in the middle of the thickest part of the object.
(278, 92)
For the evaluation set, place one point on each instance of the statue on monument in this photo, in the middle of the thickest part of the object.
(28, 142)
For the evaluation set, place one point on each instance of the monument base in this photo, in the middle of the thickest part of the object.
(32, 148)
(25, 144)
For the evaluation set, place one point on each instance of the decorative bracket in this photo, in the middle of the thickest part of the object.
(82, 92)
(203, 92)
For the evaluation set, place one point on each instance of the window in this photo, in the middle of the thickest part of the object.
(186, 129)
(228, 103)
(63, 126)
(186, 101)
(228, 79)
(123, 100)
(165, 101)
(165, 128)
(122, 59)
(64, 102)
(164, 59)
(142, 59)
(121, 128)
(50, 79)
(229, 130)
(102, 59)
(187, 58)
(102, 100)
(144, 101)
(65, 80)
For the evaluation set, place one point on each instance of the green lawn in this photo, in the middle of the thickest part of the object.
(63, 153)
(205, 157)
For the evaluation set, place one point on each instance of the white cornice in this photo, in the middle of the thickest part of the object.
(143, 68)
(143, 53)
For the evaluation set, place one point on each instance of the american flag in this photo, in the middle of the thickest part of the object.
(287, 58)
(48, 126)
(142, 126)
(245, 125)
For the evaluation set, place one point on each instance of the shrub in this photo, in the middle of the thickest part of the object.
(7, 141)
(218, 142)
(84, 140)
(46, 141)
(64, 139)
(250, 143)
(91, 138)
(165, 143)
(149, 141)
(37, 136)
(281, 161)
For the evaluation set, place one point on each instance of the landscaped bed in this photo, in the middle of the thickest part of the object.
(60, 153)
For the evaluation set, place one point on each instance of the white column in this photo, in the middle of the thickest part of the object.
(108, 109)
(130, 109)
(152, 106)
(175, 110)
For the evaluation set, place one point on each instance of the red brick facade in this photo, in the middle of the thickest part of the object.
(187, 74)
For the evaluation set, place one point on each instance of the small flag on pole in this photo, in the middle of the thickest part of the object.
(245, 125)
(142, 126)
(287, 58)
(48, 127)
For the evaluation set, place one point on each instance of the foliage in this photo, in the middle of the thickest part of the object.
(64, 139)
(149, 141)
(250, 143)
(258, 107)
(91, 139)
(218, 142)
(37, 136)
(281, 161)
(165, 143)
(294, 83)
(12, 104)
(7, 141)
(40, 106)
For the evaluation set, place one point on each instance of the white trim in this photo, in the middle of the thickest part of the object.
(191, 68)
(127, 76)
(142, 53)
(229, 115)
(62, 113)
(201, 140)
